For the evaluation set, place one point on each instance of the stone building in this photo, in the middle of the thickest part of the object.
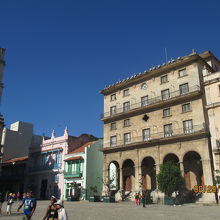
(46, 163)
(156, 116)
(83, 170)
(212, 91)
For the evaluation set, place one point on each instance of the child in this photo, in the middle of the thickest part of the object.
(9, 203)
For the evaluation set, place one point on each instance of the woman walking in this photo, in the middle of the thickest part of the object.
(9, 203)
(51, 212)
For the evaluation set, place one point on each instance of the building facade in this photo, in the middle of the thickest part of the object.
(157, 116)
(83, 170)
(212, 91)
(46, 163)
(14, 175)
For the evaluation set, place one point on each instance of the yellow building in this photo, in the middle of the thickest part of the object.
(156, 116)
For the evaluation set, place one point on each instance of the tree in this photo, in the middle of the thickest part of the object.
(169, 178)
(109, 184)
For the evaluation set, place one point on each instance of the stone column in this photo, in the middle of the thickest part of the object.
(181, 168)
(137, 177)
(208, 181)
(121, 178)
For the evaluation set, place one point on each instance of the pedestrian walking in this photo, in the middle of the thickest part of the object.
(18, 196)
(51, 212)
(62, 215)
(1, 202)
(139, 198)
(136, 196)
(30, 204)
(10, 201)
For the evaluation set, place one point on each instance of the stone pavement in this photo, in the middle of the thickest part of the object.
(84, 210)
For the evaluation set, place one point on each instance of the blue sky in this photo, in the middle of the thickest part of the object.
(60, 53)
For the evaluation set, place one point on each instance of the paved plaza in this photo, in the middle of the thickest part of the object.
(125, 210)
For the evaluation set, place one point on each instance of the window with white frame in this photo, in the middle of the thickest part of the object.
(165, 94)
(126, 106)
(186, 107)
(146, 134)
(163, 79)
(127, 138)
(113, 97)
(113, 141)
(184, 88)
(166, 112)
(182, 72)
(126, 92)
(188, 126)
(168, 131)
(113, 110)
(113, 126)
(144, 100)
(126, 122)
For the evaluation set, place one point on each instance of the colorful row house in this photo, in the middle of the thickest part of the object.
(46, 163)
(83, 171)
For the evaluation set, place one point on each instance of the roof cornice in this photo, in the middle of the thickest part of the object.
(152, 72)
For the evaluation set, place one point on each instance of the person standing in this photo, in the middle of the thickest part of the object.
(30, 204)
(51, 212)
(62, 215)
(136, 198)
(1, 202)
(9, 203)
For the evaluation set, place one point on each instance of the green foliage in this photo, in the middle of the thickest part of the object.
(93, 189)
(169, 179)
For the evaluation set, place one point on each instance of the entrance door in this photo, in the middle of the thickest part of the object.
(127, 183)
(43, 189)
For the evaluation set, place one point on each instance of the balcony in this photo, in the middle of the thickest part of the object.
(72, 174)
(54, 166)
(159, 138)
(152, 102)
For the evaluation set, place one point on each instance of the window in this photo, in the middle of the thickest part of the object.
(188, 126)
(126, 122)
(127, 138)
(168, 130)
(144, 100)
(163, 79)
(113, 141)
(166, 112)
(146, 134)
(126, 92)
(165, 94)
(113, 97)
(182, 72)
(113, 126)
(126, 106)
(186, 107)
(113, 110)
(184, 88)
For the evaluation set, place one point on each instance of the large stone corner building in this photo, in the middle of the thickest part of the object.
(157, 116)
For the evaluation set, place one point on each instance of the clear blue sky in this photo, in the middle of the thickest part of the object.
(60, 53)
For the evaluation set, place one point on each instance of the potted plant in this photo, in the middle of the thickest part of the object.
(169, 180)
(94, 197)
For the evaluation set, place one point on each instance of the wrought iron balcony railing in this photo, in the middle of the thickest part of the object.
(45, 167)
(157, 136)
(158, 99)
(72, 174)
